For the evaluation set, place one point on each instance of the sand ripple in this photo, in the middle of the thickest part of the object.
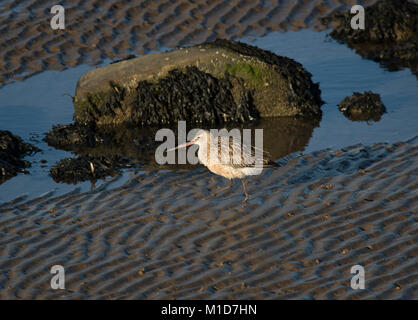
(161, 234)
(97, 29)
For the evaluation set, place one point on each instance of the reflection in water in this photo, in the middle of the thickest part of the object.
(369, 50)
(282, 136)
(363, 117)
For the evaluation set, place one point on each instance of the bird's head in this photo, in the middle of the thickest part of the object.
(201, 136)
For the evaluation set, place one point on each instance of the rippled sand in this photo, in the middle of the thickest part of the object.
(102, 29)
(162, 235)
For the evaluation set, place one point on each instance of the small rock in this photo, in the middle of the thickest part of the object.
(365, 106)
(390, 35)
(12, 150)
(73, 170)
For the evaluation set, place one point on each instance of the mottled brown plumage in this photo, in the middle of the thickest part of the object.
(229, 158)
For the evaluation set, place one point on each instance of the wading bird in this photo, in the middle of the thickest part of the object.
(224, 160)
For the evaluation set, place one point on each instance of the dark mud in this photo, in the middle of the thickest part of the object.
(79, 138)
(108, 149)
(83, 168)
(365, 106)
(12, 150)
(390, 35)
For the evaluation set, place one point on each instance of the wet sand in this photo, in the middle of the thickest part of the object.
(98, 29)
(161, 234)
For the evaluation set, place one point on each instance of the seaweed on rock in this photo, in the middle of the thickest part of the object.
(365, 106)
(390, 35)
(12, 150)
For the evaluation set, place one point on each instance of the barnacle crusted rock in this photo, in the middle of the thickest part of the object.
(390, 35)
(216, 82)
(365, 106)
(12, 150)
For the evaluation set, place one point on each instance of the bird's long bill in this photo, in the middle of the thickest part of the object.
(181, 146)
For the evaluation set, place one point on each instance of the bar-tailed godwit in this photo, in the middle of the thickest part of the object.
(230, 169)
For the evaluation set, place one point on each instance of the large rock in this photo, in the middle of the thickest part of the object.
(222, 81)
(390, 35)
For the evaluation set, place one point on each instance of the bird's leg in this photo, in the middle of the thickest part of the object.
(224, 189)
(244, 184)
